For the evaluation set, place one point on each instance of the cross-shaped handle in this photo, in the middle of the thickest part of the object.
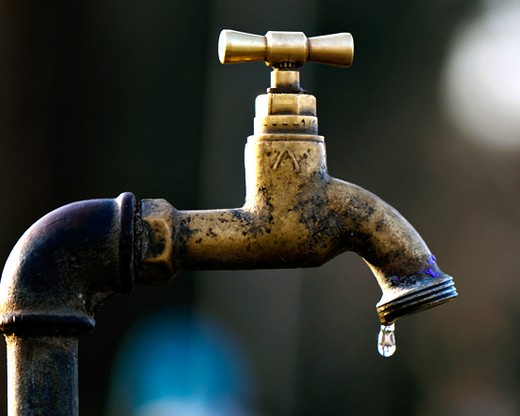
(285, 49)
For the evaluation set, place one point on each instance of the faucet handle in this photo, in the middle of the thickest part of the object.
(285, 49)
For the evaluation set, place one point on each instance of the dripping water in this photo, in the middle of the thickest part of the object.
(386, 340)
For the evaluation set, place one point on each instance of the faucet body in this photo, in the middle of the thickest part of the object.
(295, 215)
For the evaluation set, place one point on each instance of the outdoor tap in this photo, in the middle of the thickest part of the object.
(295, 215)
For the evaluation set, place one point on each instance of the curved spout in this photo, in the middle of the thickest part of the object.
(403, 265)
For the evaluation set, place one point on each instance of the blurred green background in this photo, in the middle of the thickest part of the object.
(98, 98)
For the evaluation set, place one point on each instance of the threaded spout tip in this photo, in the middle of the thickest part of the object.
(417, 299)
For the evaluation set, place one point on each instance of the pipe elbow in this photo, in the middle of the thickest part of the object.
(402, 263)
(66, 265)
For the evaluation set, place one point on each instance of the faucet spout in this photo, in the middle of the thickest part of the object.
(402, 263)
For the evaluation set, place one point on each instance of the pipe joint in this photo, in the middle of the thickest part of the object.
(66, 265)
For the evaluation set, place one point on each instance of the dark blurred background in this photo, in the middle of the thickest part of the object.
(97, 98)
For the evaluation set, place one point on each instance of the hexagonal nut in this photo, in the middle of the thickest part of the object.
(285, 104)
(157, 242)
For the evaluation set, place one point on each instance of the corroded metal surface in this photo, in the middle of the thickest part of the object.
(43, 375)
(295, 215)
(66, 265)
(61, 270)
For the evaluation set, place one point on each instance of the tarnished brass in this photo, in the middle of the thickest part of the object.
(285, 113)
(279, 48)
(157, 245)
(295, 214)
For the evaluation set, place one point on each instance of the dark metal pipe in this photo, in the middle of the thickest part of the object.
(43, 375)
(58, 274)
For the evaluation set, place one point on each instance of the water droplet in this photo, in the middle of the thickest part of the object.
(386, 340)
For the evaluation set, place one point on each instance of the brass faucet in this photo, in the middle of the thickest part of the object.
(295, 215)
